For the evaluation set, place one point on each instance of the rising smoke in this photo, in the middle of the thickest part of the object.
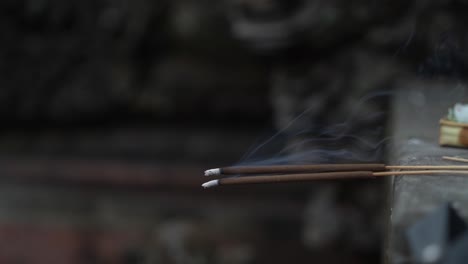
(359, 138)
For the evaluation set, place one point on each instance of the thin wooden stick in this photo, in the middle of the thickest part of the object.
(278, 169)
(258, 179)
(455, 159)
(426, 167)
(419, 172)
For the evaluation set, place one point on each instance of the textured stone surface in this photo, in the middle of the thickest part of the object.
(417, 108)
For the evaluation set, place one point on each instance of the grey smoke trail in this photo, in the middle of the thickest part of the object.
(329, 135)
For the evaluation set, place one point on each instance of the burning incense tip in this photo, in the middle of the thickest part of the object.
(213, 172)
(210, 184)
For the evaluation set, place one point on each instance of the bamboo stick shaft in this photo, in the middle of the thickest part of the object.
(455, 159)
(316, 168)
(420, 172)
(295, 177)
(301, 168)
(426, 167)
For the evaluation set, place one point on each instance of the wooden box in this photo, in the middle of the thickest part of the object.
(453, 133)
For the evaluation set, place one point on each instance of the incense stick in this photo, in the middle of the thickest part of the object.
(289, 178)
(293, 169)
(455, 159)
(277, 169)
(261, 179)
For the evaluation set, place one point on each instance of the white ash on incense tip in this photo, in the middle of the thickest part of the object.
(213, 172)
(210, 184)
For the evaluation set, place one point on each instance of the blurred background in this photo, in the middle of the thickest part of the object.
(112, 110)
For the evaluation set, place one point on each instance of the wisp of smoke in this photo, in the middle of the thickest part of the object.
(358, 138)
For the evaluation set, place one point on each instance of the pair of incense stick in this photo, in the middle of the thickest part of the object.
(295, 173)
